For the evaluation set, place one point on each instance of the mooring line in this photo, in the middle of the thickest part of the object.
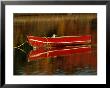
(20, 46)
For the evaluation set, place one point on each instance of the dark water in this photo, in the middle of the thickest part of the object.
(84, 63)
(72, 64)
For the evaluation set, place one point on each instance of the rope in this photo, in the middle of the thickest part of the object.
(20, 46)
(21, 50)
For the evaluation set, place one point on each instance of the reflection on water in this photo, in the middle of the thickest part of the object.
(82, 63)
(57, 51)
(78, 63)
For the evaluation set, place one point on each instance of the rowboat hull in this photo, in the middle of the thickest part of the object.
(58, 41)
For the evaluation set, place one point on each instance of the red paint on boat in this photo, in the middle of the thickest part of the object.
(55, 52)
(58, 41)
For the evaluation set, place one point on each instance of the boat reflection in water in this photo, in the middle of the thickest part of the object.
(68, 60)
(55, 52)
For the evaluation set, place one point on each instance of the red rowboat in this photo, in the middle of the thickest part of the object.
(36, 41)
(54, 52)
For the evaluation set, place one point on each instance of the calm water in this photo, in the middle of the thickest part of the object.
(80, 63)
(72, 64)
